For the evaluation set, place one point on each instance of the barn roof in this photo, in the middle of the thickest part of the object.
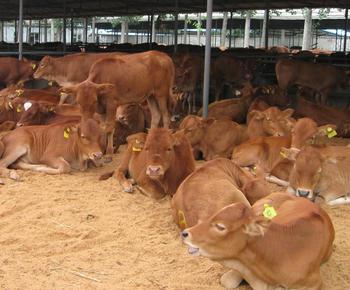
(37, 9)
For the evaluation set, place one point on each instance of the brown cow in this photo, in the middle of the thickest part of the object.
(278, 243)
(320, 77)
(266, 151)
(235, 109)
(230, 71)
(213, 138)
(52, 149)
(188, 77)
(271, 122)
(69, 69)
(130, 119)
(111, 82)
(321, 173)
(213, 186)
(158, 162)
(14, 70)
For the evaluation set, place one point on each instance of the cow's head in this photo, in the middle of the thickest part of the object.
(88, 138)
(127, 113)
(27, 68)
(222, 236)
(160, 149)
(272, 121)
(194, 128)
(33, 112)
(273, 95)
(86, 95)
(306, 172)
(45, 68)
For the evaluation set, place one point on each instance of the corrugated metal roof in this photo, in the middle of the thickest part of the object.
(36, 9)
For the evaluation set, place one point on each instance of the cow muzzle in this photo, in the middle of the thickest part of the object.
(186, 238)
(155, 171)
(96, 155)
(302, 192)
(122, 119)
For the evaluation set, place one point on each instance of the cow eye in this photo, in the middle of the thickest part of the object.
(168, 149)
(220, 227)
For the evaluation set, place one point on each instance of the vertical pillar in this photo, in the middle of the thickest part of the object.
(199, 25)
(207, 58)
(39, 31)
(283, 37)
(52, 31)
(346, 28)
(153, 28)
(20, 32)
(230, 40)
(71, 31)
(185, 28)
(45, 30)
(176, 25)
(307, 36)
(93, 27)
(85, 28)
(266, 20)
(224, 30)
(2, 31)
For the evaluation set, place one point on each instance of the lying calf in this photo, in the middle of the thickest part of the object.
(158, 162)
(215, 185)
(278, 243)
(321, 173)
(52, 149)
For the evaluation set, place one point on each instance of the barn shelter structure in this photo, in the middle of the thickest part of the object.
(40, 9)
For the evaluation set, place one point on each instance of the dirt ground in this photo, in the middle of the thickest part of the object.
(75, 232)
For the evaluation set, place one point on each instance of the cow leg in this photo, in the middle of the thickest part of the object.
(276, 180)
(55, 166)
(151, 188)
(194, 109)
(163, 108)
(9, 158)
(155, 115)
(109, 150)
(231, 279)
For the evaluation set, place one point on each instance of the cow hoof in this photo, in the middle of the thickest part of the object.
(129, 189)
(231, 279)
(14, 175)
(2, 182)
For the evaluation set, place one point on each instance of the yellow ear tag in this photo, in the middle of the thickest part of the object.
(269, 212)
(66, 133)
(136, 148)
(254, 168)
(19, 92)
(18, 109)
(50, 83)
(284, 155)
(33, 66)
(182, 219)
(331, 132)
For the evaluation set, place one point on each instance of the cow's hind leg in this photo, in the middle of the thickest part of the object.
(155, 115)
(163, 108)
(8, 158)
(55, 166)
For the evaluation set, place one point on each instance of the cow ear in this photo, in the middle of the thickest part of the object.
(138, 136)
(178, 137)
(255, 114)
(289, 153)
(287, 113)
(105, 89)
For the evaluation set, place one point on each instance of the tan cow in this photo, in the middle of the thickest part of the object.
(279, 243)
(213, 186)
(127, 79)
(158, 162)
(321, 173)
(52, 149)
(213, 138)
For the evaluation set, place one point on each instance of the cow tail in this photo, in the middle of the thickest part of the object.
(106, 175)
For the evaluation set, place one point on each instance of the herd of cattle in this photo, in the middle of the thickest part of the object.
(95, 102)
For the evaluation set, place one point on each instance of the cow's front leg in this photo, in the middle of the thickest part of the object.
(151, 188)
(231, 279)
(49, 166)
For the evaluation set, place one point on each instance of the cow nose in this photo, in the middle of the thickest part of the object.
(19, 124)
(121, 118)
(184, 234)
(303, 192)
(97, 155)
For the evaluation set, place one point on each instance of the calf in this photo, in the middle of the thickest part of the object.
(320, 77)
(280, 242)
(213, 138)
(321, 173)
(235, 109)
(158, 162)
(111, 82)
(224, 183)
(14, 70)
(52, 149)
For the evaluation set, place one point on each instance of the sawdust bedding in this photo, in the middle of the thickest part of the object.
(74, 232)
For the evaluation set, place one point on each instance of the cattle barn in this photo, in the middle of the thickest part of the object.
(140, 165)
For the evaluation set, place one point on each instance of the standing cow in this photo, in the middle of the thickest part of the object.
(127, 79)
